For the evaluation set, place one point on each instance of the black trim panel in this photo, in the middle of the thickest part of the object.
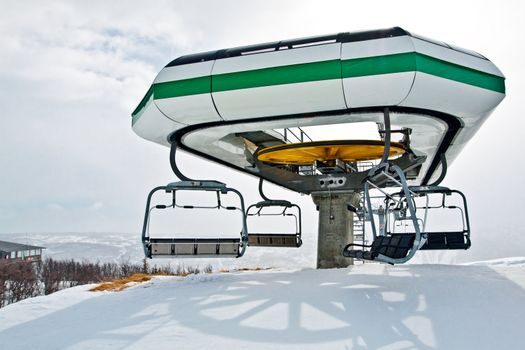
(371, 35)
(454, 125)
(193, 58)
(276, 45)
(347, 37)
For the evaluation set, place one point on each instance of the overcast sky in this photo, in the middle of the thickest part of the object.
(71, 72)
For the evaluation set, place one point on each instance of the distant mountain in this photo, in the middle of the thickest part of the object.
(118, 247)
(103, 247)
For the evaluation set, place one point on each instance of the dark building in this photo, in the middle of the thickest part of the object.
(17, 251)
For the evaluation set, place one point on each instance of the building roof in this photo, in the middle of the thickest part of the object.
(15, 247)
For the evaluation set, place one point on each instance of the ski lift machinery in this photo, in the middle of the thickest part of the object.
(400, 206)
(228, 105)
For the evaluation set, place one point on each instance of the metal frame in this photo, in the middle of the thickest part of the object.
(188, 184)
(444, 191)
(379, 176)
(173, 187)
(422, 237)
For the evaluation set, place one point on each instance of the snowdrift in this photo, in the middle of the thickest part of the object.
(363, 307)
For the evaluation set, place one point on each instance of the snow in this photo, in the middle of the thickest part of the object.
(514, 261)
(369, 306)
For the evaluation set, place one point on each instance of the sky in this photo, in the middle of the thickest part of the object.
(71, 72)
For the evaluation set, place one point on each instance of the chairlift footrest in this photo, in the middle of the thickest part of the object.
(197, 247)
(274, 240)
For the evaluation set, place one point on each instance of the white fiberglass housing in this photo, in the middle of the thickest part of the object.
(442, 93)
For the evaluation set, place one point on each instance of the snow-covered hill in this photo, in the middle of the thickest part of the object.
(364, 307)
(88, 246)
(127, 247)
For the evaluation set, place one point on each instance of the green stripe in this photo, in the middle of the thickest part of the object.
(142, 105)
(412, 61)
(359, 67)
(186, 87)
(143, 102)
(452, 71)
(297, 73)
(325, 70)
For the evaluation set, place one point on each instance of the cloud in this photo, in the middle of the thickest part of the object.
(71, 72)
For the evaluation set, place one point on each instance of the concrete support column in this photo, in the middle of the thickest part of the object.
(335, 227)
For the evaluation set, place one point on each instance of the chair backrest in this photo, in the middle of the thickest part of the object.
(395, 246)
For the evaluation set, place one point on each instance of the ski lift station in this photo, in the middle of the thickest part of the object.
(11, 251)
(269, 110)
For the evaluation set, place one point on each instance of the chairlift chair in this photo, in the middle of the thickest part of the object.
(286, 209)
(187, 246)
(404, 209)
(442, 239)
(393, 247)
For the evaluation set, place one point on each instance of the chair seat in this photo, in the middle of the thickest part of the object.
(397, 245)
(160, 247)
(446, 241)
(274, 240)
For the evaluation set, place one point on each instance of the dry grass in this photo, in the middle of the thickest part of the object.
(122, 283)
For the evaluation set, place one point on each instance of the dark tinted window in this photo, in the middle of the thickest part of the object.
(288, 44)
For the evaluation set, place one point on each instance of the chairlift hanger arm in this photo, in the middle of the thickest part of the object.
(181, 176)
(173, 163)
(261, 193)
(388, 249)
(373, 171)
(267, 202)
(387, 135)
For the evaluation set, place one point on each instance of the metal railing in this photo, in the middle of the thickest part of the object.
(297, 133)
